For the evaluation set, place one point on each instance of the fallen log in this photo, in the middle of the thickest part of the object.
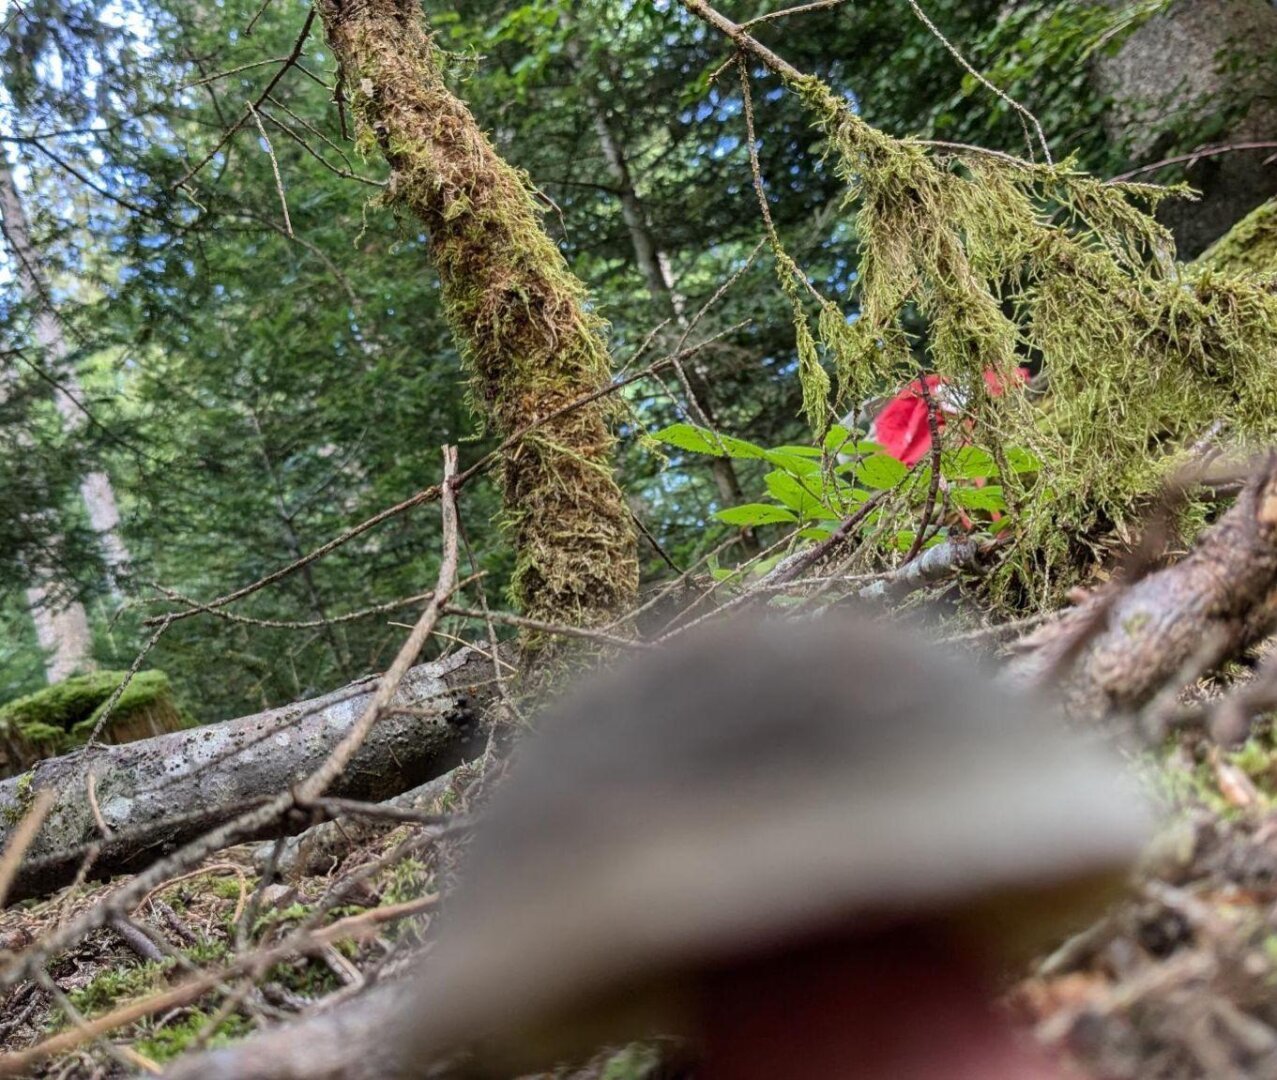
(119, 808)
(322, 846)
(1122, 645)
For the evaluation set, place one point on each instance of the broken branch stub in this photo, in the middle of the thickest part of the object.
(156, 794)
(1131, 644)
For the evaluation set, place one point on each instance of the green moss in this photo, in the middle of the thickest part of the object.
(24, 793)
(405, 881)
(115, 985)
(168, 1042)
(1249, 247)
(1001, 259)
(224, 887)
(59, 717)
(522, 320)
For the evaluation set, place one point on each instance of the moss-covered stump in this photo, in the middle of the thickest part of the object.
(60, 717)
(520, 316)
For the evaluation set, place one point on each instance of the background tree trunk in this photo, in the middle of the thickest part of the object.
(61, 624)
(1202, 63)
(654, 265)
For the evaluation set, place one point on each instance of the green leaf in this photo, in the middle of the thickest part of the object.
(835, 438)
(798, 496)
(741, 449)
(815, 532)
(967, 463)
(800, 451)
(1020, 460)
(973, 498)
(756, 514)
(800, 466)
(880, 471)
(702, 441)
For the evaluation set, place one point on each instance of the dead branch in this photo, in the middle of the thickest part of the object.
(1130, 641)
(321, 846)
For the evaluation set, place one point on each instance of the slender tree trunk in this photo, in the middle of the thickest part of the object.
(62, 629)
(520, 316)
(95, 487)
(654, 265)
(61, 625)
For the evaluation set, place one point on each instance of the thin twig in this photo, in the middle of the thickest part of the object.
(1195, 156)
(933, 425)
(561, 629)
(274, 164)
(229, 134)
(231, 71)
(797, 9)
(970, 69)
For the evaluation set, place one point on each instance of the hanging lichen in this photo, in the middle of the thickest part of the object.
(1001, 260)
(519, 314)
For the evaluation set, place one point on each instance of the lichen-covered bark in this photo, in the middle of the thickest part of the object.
(155, 794)
(520, 316)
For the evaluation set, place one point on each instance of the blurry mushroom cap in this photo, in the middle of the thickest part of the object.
(749, 786)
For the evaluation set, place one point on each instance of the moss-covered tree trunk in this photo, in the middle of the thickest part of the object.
(520, 315)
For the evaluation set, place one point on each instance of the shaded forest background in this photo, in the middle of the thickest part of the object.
(256, 375)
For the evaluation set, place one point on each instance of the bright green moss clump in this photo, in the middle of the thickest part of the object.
(60, 717)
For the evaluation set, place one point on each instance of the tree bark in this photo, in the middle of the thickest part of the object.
(521, 318)
(1194, 62)
(155, 794)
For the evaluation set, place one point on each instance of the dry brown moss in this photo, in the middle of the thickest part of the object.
(520, 315)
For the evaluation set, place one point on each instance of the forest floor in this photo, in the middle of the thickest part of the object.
(225, 915)
(1178, 980)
